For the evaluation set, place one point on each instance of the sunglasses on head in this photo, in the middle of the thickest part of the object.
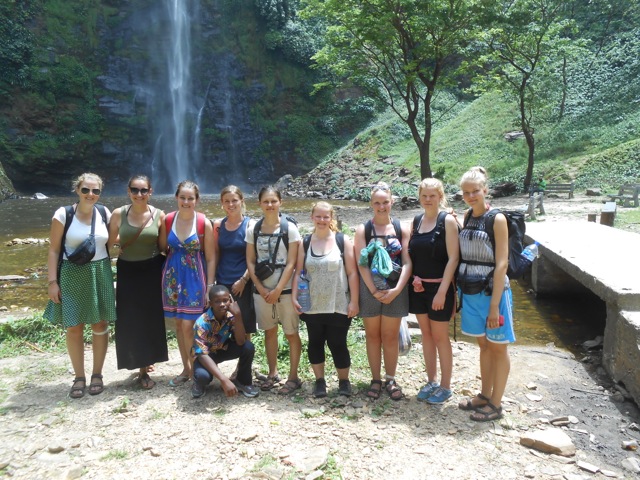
(376, 188)
(95, 191)
(136, 191)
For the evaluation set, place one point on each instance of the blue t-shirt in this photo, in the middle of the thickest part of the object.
(232, 249)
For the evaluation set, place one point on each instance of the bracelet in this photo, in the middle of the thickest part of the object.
(244, 279)
(51, 282)
(211, 284)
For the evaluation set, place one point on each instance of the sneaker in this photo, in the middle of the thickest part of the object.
(248, 391)
(441, 395)
(197, 390)
(344, 388)
(426, 391)
(320, 388)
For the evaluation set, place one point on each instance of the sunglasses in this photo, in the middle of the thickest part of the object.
(136, 191)
(384, 188)
(95, 191)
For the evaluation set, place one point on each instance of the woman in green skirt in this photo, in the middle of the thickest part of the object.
(82, 294)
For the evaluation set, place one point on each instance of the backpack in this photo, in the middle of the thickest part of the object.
(517, 265)
(439, 229)
(200, 220)
(283, 234)
(368, 230)
(339, 241)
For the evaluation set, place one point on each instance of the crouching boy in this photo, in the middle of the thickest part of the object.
(220, 336)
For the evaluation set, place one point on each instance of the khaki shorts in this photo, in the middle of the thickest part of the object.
(281, 312)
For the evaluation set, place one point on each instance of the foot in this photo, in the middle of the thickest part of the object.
(290, 386)
(320, 388)
(440, 396)
(394, 391)
(426, 391)
(151, 368)
(248, 391)
(96, 386)
(374, 389)
(487, 413)
(270, 382)
(344, 388)
(145, 381)
(473, 403)
(197, 390)
(178, 380)
(78, 388)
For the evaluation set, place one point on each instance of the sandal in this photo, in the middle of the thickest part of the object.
(145, 381)
(375, 388)
(483, 415)
(467, 403)
(178, 380)
(77, 391)
(96, 388)
(269, 383)
(394, 391)
(290, 386)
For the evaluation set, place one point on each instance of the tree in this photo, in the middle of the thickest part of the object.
(399, 51)
(523, 39)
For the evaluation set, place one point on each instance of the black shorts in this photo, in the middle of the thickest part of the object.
(421, 302)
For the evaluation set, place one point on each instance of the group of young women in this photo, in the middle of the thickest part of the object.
(260, 263)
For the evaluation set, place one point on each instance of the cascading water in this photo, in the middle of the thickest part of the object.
(173, 155)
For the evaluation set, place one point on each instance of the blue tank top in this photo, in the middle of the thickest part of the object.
(232, 249)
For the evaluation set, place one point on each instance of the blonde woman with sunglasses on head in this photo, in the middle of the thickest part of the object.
(383, 308)
(82, 294)
(141, 338)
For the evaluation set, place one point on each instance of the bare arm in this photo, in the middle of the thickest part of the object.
(55, 246)
(501, 234)
(294, 282)
(216, 246)
(237, 325)
(407, 267)
(114, 227)
(352, 277)
(209, 252)
(365, 272)
(162, 233)
(453, 252)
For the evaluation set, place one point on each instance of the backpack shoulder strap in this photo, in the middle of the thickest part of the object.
(306, 242)
(442, 216)
(491, 217)
(416, 223)
(200, 220)
(256, 232)
(168, 221)
(103, 212)
(397, 227)
(340, 242)
(368, 230)
(69, 213)
(284, 231)
(467, 216)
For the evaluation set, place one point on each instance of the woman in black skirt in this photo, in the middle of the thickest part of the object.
(140, 333)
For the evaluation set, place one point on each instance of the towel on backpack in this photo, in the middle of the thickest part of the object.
(381, 259)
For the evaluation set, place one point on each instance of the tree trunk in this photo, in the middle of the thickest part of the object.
(528, 134)
(563, 102)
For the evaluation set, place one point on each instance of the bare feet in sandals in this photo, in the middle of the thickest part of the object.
(145, 381)
(375, 388)
(290, 386)
(394, 391)
(473, 403)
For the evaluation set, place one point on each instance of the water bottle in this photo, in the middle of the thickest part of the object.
(304, 296)
(530, 252)
(378, 280)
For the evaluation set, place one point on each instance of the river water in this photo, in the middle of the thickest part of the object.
(565, 322)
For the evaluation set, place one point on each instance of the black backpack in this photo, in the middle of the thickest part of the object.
(339, 241)
(283, 234)
(439, 230)
(517, 264)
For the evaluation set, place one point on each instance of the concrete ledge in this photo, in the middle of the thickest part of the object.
(621, 350)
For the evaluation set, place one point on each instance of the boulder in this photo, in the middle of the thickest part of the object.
(594, 192)
(552, 440)
(39, 196)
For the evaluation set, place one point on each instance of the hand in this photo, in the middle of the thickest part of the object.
(229, 388)
(438, 301)
(238, 287)
(272, 296)
(54, 292)
(296, 306)
(352, 310)
(389, 296)
(493, 320)
(234, 308)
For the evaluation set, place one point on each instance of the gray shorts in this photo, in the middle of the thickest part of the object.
(370, 307)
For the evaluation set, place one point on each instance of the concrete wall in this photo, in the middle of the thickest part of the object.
(621, 350)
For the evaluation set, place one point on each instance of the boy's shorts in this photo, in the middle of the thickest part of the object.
(475, 309)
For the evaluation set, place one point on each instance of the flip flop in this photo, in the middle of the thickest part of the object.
(178, 380)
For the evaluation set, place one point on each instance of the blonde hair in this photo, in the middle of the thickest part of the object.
(85, 176)
(333, 224)
(235, 191)
(477, 175)
(437, 184)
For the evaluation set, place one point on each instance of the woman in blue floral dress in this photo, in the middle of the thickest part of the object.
(188, 272)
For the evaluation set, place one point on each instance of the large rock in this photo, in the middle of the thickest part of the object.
(552, 440)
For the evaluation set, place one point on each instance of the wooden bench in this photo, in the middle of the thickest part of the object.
(627, 194)
(559, 188)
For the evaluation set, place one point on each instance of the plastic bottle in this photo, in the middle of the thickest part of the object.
(304, 296)
(378, 280)
(530, 252)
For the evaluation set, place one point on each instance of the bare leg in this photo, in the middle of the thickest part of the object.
(374, 345)
(501, 367)
(184, 334)
(318, 370)
(440, 335)
(295, 351)
(428, 347)
(75, 347)
(100, 344)
(271, 350)
(486, 367)
(389, 330)
(343, 373)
